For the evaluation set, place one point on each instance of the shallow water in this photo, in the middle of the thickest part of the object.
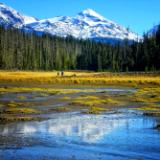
(74, 136)
(36, 96)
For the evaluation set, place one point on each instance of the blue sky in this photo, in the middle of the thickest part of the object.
(139, 15)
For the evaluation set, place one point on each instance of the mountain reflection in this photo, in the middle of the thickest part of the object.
(88, 128)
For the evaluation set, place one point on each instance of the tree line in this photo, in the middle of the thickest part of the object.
(29, 51)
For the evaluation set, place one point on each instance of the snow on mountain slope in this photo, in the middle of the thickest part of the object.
(10, 17)
(28, 20)
(86, 25)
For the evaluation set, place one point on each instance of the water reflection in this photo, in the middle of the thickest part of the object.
(87, 128)
(110, 136)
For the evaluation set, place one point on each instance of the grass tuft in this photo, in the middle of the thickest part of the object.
(21, 111)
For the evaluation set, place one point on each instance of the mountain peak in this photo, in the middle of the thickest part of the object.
(11, 16)
(92, 13)
(89, 11)
(86, 25)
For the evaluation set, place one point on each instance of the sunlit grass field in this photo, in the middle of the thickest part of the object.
(80, 78)
(85, 99)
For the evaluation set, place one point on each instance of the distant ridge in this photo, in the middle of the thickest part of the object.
(86, 25)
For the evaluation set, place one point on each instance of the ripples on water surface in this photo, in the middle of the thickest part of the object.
(82, 137)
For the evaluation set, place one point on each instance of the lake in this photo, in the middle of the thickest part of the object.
(125, 135)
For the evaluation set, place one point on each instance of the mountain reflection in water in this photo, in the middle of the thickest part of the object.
(76, 136)
(88, 128)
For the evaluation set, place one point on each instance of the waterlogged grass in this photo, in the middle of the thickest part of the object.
(14, 104)
(87, 101)
(15, 111)
(146, 99)
(90, 102)
(21, 111)
(8, 118)
(65, 98)
(43, 91)
(1, 105)
(149, 100)
(44, 94)
(94, 101)
(61, 109)
(21, 97)
(147, 95)
(27, 89)
(96, 110)
(149, 108)
(154, 114)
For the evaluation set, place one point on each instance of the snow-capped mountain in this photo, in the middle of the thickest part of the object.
(10, 17)
(86, 25)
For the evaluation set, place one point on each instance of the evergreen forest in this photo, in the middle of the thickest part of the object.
(29, 51)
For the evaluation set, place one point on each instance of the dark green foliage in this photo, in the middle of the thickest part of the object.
(28, 51)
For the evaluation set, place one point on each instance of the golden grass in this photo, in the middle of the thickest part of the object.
(65, 98)
(81, 78)
(61, 109)
(17, 75)
(21, 97)
(7, 119)
(44, 94)
(12, 105)
(149, 108)
(147, 95)
(43, 91)
(21, 111)
(94, 101)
